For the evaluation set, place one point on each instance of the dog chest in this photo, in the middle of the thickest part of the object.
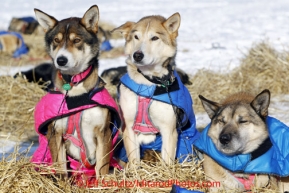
(160, 115)
(92, 121)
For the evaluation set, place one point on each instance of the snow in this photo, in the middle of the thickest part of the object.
(214, 34)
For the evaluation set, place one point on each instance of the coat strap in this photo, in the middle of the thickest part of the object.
(74, 124)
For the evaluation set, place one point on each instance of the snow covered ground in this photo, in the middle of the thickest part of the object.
(214, 34)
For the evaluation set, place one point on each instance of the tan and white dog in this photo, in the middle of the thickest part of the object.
(73, 46)
(238, 138)
(9, 43)
(151, 48)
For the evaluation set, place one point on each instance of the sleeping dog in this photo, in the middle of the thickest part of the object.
(244, 147)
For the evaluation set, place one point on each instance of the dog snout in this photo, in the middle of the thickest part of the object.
(138, 56)
(225, 138)
(62, 61)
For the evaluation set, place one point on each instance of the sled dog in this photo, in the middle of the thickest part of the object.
(81, 127)
(239, 145)
(151, 47)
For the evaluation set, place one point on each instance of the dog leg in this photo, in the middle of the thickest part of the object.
(57, 149)
(218, 174)
(169, 145)
(284, 184)
(131, 145)
(266, 181)
(103, 149)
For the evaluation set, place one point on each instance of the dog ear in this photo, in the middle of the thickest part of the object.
(261, 103)
(90, 19)
(124, 29)
(210, 107)
(46, 21)
(172, 24)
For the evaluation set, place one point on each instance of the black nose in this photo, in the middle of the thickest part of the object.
(225, 138)
(138, 56)
(61, 61)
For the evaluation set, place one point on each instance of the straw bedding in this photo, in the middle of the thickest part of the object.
(263, 67)
(18, 175)
(18, 98)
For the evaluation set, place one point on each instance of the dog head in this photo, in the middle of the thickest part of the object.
(72, 43)
(238, 124)
(151, 40)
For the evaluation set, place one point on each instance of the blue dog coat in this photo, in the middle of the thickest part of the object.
(178, 189)
(275, 161)
(180, 98)
(22, 49)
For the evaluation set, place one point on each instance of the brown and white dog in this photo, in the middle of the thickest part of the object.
(151, 48)
(73, 46)
(239, 126)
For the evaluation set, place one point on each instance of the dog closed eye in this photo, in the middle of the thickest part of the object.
(243, 121)
(220, 120)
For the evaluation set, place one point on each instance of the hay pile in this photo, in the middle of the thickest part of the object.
(18, 98)
(17, 174)
(262, 68)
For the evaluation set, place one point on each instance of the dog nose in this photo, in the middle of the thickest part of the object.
(138, 56)
(225, 139)
(61, 61)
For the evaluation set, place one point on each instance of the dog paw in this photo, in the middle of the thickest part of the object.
(233, 185)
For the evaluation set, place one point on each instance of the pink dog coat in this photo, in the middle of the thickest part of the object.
(55, 105)
(248, 183)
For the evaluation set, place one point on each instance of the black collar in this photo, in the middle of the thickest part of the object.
(165, 84)
(263, 148)
(165, 80)
(66, 77)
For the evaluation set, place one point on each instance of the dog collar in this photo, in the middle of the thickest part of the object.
(263, 148)
(165, 81)
(168, 83)
(69, 81)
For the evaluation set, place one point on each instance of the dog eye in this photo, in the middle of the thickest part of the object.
(221, 121)
(76, 40)
(136, 37)
(243, 121)
(154, 38)
(56, 40)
